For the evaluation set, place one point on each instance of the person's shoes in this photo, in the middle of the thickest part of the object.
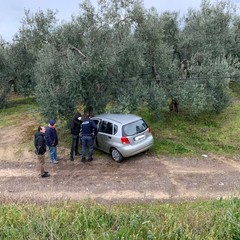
(77, 154)
(55, 162)
(59, 158)
(83, 159)
(46, 172)
(45, 175)
(90, 159)
(71, 159)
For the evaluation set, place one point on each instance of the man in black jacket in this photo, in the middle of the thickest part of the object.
(40, 149)
(75, 127)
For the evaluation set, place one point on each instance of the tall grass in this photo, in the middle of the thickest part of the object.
(195, 220)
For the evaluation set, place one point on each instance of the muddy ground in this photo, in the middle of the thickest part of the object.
(142, 178)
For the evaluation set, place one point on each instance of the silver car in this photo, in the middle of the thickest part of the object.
(122, 135)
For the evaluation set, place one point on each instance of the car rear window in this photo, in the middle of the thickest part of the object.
(134, 128)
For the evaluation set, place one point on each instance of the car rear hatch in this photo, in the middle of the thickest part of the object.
(135, 132)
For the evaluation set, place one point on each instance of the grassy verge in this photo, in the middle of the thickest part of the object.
(18, 109)
(199, 220)
(178, 134)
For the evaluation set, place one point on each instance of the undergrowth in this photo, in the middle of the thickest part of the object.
(217, 219)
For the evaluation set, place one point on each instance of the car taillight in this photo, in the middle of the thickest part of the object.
(149, 130)
(125, 140)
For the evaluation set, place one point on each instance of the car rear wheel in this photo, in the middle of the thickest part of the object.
(116, 155)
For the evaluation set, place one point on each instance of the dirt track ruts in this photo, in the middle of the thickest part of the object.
(141, 178)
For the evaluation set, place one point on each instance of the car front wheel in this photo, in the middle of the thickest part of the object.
(116, 155)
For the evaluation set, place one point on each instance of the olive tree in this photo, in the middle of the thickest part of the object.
(205, 45)
(6, 79)
(120, 56)
(33, 35)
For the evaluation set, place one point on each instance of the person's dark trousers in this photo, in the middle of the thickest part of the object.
(74, 148)
(87, 141)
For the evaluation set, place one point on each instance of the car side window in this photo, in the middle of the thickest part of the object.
(115, 129)
(103, 126)
(97, 122)
(106, 127)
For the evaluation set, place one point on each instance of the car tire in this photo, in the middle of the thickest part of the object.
(116, 155)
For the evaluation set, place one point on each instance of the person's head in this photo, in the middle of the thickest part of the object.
(52, 123)
(88, 112)
(41, 129)
(78, 116)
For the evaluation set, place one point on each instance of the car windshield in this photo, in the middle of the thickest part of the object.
(134, 128)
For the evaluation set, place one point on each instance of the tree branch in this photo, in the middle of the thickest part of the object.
(78, 51)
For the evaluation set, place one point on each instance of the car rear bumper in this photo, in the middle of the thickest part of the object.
(130, 150)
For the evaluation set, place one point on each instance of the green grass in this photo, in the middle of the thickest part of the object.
(179, 134)
(18, 109)
(217, 219)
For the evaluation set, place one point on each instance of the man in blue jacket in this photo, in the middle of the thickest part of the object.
(89, 131)
(52, 141)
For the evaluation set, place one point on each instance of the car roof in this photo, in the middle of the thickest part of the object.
(119, 118)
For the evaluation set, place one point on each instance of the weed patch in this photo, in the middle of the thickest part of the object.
(200, 220)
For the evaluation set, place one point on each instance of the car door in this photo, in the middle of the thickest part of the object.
(104, 137)
(98, 123)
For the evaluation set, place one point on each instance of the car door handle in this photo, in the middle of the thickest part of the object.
(109, 137)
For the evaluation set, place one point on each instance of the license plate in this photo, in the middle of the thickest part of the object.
(140, 137)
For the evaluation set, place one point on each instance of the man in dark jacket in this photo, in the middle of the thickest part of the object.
(75, 127)
(89, 131)
(40, 149)
(52, 141)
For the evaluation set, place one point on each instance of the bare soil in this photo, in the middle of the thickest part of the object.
(142, 178)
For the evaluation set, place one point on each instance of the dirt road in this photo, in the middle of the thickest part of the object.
(142, 178)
